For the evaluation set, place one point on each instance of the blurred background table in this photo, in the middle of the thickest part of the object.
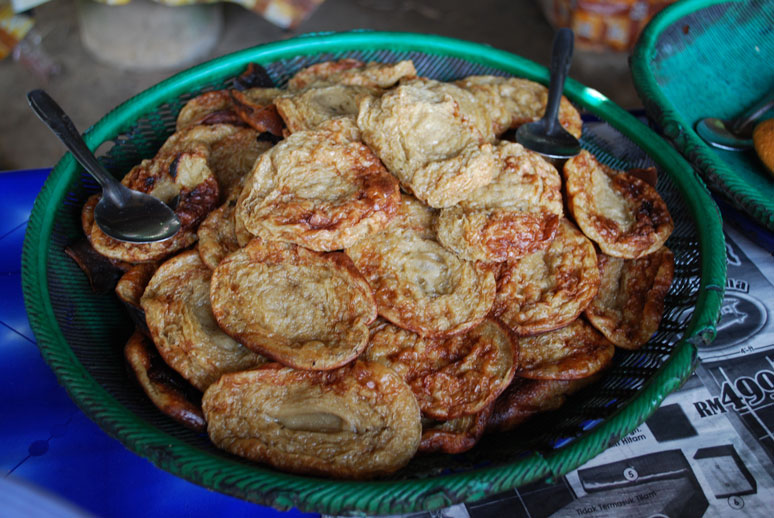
(87, 88)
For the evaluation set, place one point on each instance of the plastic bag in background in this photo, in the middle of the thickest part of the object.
(20, 40)
(603, 25)
(13, 27)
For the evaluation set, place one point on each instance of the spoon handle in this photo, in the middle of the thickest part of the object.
(752, 113)
(60, 124)
(561, 55)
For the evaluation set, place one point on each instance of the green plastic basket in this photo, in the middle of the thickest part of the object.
(711, 58)
(81, 334)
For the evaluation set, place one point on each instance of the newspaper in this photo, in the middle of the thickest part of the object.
(708, 451)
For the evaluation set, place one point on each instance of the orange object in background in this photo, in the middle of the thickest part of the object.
(13, 28)
(603, 25)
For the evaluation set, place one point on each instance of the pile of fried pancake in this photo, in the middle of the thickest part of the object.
(369, 268)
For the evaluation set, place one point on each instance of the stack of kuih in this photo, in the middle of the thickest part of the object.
(369, 268)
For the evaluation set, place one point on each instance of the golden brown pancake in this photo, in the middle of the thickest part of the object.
(571, 352)
(129, 290)
(455, 435)
(198, 109)
(257, 113)
(231, 151)
(313, 107)
(630, 301)
(358, 421)
(171, 394)
(516, 214)
(623, 214)
(232, 158)
(304, 309)
(421, 134)
(352, 72)
(451, 377)
(549, 288)
(132, 284)
(318, 189)
(217, 234)
(513, 101)
(418, 284)
(252, 107)
(177, 310)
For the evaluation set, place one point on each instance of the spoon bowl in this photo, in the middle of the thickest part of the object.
(136, 220)
(547, 136)
(121, 213)
(716, 133)
(734, 134)
(551, 143)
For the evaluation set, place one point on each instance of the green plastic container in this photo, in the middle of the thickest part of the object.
(81, 334)
(711, 58)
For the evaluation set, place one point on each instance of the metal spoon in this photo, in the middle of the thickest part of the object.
(734, 134)
(121, 213)
(547, 136)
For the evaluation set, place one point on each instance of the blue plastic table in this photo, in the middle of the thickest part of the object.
(54, 460)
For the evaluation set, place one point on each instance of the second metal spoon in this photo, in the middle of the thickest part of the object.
(734, 134)
(121, 213)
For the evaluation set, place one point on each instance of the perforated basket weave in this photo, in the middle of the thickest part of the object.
(81, 334)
